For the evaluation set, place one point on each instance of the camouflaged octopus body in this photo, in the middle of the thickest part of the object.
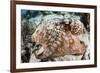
(59, 39)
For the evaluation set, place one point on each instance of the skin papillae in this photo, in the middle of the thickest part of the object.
(59, 39)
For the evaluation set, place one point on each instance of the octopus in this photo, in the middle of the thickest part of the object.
(59, 39)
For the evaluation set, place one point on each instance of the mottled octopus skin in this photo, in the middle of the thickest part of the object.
(62, 42)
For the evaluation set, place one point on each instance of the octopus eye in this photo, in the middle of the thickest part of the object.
(37, 31)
